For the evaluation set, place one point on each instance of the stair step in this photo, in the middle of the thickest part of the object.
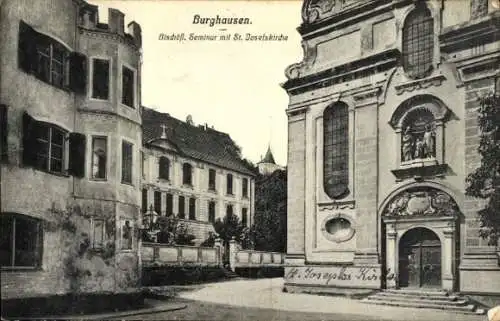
(464, 309)
(417, 292)
(376, 297)
(417, 296)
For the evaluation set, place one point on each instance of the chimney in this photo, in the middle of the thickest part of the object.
(116, 21)
(134, 29)
(88, 16)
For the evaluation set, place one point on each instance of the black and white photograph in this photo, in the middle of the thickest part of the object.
(250, 160)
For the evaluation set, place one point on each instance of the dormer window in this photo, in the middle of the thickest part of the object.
(418, 43)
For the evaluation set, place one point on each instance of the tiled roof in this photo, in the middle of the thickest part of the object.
(198, 142)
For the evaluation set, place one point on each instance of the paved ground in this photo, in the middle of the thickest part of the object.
(262, 299)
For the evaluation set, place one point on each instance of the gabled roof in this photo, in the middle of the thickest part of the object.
(269, 158)
(198, 142)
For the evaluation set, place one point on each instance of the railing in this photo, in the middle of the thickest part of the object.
(239, 258)
(249, 258)
(157, 254)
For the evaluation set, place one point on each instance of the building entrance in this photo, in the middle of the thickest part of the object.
(420, 259)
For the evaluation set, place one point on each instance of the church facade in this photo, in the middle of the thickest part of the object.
(383, 131)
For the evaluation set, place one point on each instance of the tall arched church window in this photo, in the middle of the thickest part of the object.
(336, 150)
(418, 140)
(418, 42)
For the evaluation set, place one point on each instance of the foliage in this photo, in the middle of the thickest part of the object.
(171, 231)
(80, 261)
(210, 241)
(230, 227)
(269, 228)
(484, 182)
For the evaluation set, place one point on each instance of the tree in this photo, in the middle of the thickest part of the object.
(172, 231)
(230, 227)
(269, 228)
(484, 182)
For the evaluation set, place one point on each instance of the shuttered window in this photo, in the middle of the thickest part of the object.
(50, 61)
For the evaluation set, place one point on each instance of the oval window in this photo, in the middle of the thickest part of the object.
(338, 229)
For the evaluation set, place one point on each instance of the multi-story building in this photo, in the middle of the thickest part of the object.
(193, 172)
(383, 132)
(71, 139)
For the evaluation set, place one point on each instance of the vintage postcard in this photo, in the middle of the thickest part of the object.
(258, 159)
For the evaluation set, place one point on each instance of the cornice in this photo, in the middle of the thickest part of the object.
(424, 83)
(102, 34)
(319, 19)
(471, 33)
(346, 72)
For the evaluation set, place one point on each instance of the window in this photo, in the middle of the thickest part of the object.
(418, 140)
(244, 191)
(336, 150)
(127, 233)
(157, 202)
(44, 148)
(143, 164)
(229, 186)
(126, 163)
(3, 134)
(50, 61)
(100, 79)
(170, 204)
(98, 234)
(49, 147)
(211, 179)
(128, 87)
(244, 216)
(164, 168)
(229, 210)
(211, 212)
(187, 174)
(337, 229)
(418, 42)
(144, 200)
(192, 208)
(21, 241)
(99, 152)
(182, 213)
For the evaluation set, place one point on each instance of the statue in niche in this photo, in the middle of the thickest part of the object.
(418, 139)
(428, 142)
(407, 145)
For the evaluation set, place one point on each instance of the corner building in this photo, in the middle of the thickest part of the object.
(71, 140)
(382, 134)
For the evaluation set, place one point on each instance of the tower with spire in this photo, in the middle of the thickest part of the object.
(267, 165)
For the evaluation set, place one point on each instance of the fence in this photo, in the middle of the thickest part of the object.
(239, 258)
(157, 254)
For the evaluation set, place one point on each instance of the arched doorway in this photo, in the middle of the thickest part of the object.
(419, 259)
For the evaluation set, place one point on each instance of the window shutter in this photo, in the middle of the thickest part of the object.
(27, 47)
(4, 156)
(29, 140)
(77, 154)
(78, 72)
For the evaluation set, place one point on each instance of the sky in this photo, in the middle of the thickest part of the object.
(231, 85)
